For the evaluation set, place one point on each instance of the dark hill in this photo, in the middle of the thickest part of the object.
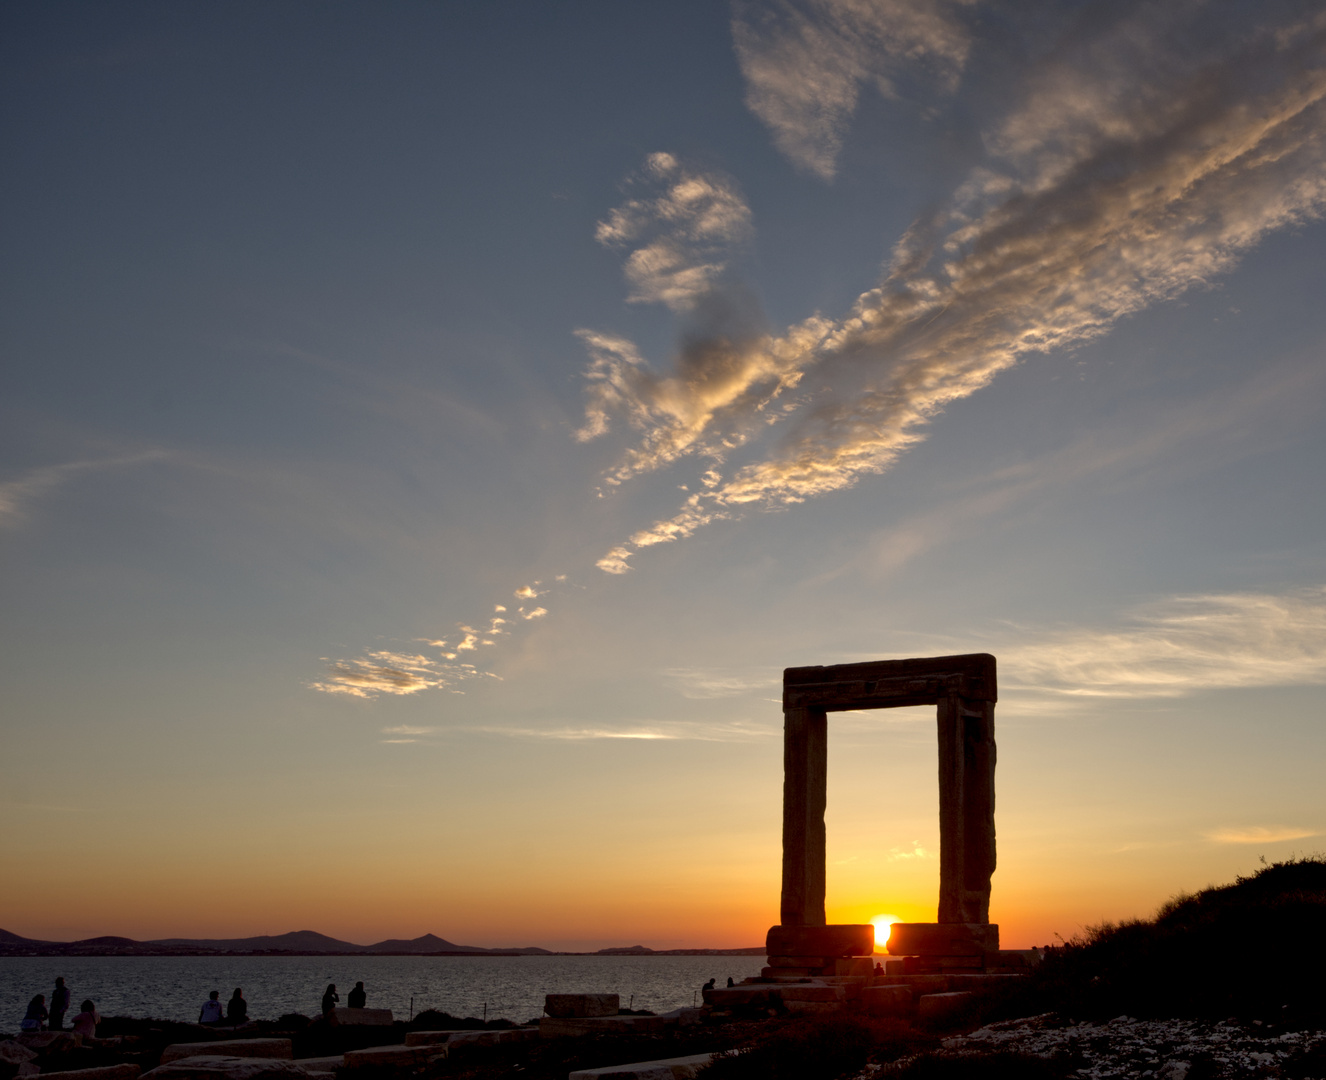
(301, 941)
(429, 943)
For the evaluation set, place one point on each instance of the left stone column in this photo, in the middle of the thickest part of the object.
(805, 782)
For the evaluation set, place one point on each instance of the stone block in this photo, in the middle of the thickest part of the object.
(939, 1007)
(812, 992)
(812, 1007)
(50, 1042)
(398, 1057)
(732, 997)
(790, 973)
(226, 1067)
(364, 1017)
(855, 965)
(943, 939)
(556, 1027)
(461, 1040)
(255, 1048)
(430, 1038)
(678, 1068)
(841, 939)
(799, 961)
(327, 1064)
(581, 1005)
(15, 1052)
(888, 1000)
(105, 1072)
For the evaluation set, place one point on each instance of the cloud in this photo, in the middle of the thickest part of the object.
(678, 233)
(16, 495)
(916, 852)
(1182, 646)
(1136, 169)
(706, 683)
(805, 62)
(1259, 834)
(731, 731)
(385, 672)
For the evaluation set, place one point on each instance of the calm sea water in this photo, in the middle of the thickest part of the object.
(174, 987)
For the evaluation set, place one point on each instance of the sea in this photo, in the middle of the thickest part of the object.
(492, 987)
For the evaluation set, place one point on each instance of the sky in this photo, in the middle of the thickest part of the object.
(427, 431)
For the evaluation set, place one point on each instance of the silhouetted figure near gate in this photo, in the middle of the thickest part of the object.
(59, 1005)
(237, 1009)
(329, 1000)
(35, 1018)
(355, 998)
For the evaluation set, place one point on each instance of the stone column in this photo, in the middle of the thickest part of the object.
(966, 809)
(805, 778)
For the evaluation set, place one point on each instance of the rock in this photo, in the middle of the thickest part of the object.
(582, 1005)
(555, 1027)
(399, 1056)
(800, 961)
(500, 1037)
(50, 1042)
(321, 1065)
(730, 997)
(888, 1000)
(362, 1017)
(106, 1072)
(14, 1051)
(812, 992)
(842, 939)
(943, 939)
(226, 1067)
(942, 1006)
(678, 1068)
(253, 1048)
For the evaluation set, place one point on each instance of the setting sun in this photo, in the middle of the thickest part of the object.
(883, 924)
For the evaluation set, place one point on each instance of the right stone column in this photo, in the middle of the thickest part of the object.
(966, 808)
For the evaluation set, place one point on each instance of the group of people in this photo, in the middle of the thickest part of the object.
(355, 999)
(41, 1018)
(236, 1011)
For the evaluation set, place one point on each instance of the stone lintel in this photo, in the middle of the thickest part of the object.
(839, 939)
(943, 939)
(883, 684)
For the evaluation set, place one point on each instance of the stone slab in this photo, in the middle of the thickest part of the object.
(556, 1027)
(54, 1042)
(226, 1067)
(329, 1063)
(364, 1017)
(834, 940)
(399, 1056)
(105, 1072)
(791, 973)
(13, 1051)
(732, 997)
(812, 993)
(854, 965)
(799, 961)
(920, 984)
(943, 939)
(254, 1048)
(812, 1007)
(888, 1000)
(942, 1006)
(498, 1037)
(582, 1005)
(678, 1068)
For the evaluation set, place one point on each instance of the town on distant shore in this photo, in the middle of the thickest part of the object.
(310, 943)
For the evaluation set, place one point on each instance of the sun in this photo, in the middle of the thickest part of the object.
(883, 923)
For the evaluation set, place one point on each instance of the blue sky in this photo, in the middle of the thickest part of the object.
(428, 430)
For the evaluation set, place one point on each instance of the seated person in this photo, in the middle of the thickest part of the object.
(237, 1009)
(211, 1012)
(356, 998)
(85, 1023)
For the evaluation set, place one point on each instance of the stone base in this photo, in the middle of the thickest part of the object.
(680, 1068)
(362, 1017)
(842, 939)
(943, 939)
(257, 1048)
(556, 1027)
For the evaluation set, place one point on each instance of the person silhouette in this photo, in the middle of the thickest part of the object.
(59, 1005)
(35, 1018)
(710, 984)
(237, 1009)
(356, 998)
(211, 1012)
(730, 982)
(85, 1023)
(329, 1000)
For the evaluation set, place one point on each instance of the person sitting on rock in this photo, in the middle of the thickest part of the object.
(85, 1023)
(35, 1019)
(237, 1009)
(730, 982)
(329, 1000)
(356, 997)
(59, 1005)
(211, 1012)
(710, 984)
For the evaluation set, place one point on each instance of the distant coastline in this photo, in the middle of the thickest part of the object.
(309, 943)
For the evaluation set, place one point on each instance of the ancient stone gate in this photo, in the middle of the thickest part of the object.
(964, 690)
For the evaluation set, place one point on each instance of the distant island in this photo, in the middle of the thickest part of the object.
(308, 943)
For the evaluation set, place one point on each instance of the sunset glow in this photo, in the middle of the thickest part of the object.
(883, 924)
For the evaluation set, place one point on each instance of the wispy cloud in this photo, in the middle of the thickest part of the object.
(1131, 173)
(1181, 646)
(17, 495)
(677, 731)
(705, 683)
(679, 231)
(1259, 834)
(805, 62)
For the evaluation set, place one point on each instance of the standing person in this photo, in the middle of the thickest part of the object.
(356, 997)
(35, 1019)
(237, 1009)
(329, 1000)
(211, 1012)
(85, 1023)
(59, 1005)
